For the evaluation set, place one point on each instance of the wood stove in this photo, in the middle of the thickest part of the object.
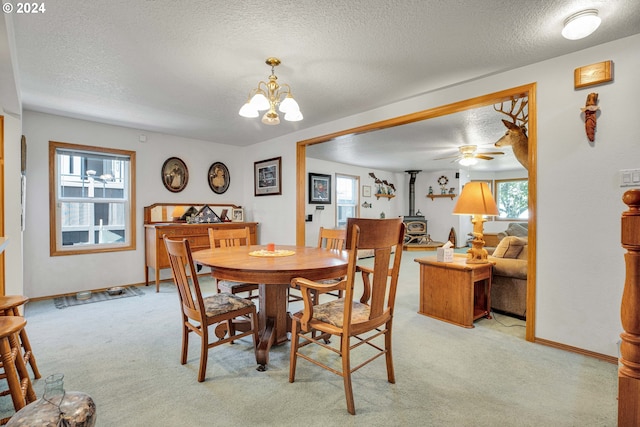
(416, 230)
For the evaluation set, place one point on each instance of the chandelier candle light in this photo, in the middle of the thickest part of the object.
(268, 96)
(475, 199)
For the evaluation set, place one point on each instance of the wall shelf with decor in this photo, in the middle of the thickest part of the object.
(388, 196)
(436, 196)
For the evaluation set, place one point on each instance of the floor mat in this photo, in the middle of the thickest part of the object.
(71, 300)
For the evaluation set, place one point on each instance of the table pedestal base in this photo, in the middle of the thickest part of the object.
(274, 320)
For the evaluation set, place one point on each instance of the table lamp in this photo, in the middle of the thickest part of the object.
(177, 213)
(476, 200)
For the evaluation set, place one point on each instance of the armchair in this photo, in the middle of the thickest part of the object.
(366, 320)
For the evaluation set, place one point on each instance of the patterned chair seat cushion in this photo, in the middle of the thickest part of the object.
(227, 284)
(223, 302)
(333, 312)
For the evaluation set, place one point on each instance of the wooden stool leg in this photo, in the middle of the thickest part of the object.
(11, 373)
(25, 383)
(26, 345)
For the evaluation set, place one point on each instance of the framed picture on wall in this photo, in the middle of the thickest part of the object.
(175, 174)
(267, 175)
(219, 178)
(366, 191)
(319, 189)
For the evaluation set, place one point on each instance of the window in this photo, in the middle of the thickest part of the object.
(512, 198)
(92, 203)
(346, 198)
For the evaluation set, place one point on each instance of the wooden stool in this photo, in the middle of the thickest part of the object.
(9, 307)
(14, 368)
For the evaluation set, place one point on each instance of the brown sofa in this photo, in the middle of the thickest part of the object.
(509, 284)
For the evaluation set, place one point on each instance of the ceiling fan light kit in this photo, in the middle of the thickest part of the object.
(270, 95)
(468, 155)
(468, 161)
(581, 24)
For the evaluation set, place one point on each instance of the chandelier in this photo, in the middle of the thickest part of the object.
(268, 96)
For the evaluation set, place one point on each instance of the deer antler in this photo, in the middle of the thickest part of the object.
(520, 117)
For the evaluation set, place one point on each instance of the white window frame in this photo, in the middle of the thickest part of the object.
(496, 192)
(355, 180)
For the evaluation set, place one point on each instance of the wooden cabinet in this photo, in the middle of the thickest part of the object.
(491, 239)
(197, 234)
(455, 292)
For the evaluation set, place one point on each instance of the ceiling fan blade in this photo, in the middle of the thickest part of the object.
(480, 156)
(448, 157)
(491, 152)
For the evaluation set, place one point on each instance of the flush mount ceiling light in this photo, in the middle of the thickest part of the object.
(581, 24)
(268, 96)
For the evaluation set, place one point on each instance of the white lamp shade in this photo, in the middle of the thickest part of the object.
(293, 116)
(581, 24)
(289, 105)
(247, 110)
(475, 199)
(260, 102)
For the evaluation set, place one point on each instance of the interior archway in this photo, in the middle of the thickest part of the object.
(481, 101)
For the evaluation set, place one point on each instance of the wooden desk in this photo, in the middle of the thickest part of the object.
(273, 274)
(455, 292)
(197, 234)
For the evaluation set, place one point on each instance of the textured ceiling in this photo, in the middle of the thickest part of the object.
(185, 67)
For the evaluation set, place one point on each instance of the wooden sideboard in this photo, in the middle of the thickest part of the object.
(197, 234)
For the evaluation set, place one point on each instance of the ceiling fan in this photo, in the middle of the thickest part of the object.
(468, 156)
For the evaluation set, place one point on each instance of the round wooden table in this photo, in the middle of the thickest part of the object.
(273, 274)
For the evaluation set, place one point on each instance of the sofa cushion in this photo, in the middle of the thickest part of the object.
(507, 267)
(519, 229)
(510, 247)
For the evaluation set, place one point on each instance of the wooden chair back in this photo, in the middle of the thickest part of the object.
(332, 238)
(186, 278)
(224, 238)
(385, 237)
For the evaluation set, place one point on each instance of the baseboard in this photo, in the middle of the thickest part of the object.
(600, 356)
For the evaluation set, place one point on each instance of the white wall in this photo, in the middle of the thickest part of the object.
(327, 217)
(12, 205)
(580, 270)
(45, 275)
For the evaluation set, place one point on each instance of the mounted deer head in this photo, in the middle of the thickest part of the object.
(516, 135)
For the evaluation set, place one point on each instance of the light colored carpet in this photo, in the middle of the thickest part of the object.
(125, 353)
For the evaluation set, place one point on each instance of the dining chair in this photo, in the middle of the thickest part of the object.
(224, 238)
(332, 239)
(365, 321)
(198, 312)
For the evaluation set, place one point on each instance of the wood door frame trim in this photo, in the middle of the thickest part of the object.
(489, 99)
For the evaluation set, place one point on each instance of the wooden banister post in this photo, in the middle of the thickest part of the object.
(629, 370)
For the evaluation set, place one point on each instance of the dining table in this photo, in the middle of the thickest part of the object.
(272, 267)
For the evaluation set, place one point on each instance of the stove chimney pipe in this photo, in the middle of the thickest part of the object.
(412, 191)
